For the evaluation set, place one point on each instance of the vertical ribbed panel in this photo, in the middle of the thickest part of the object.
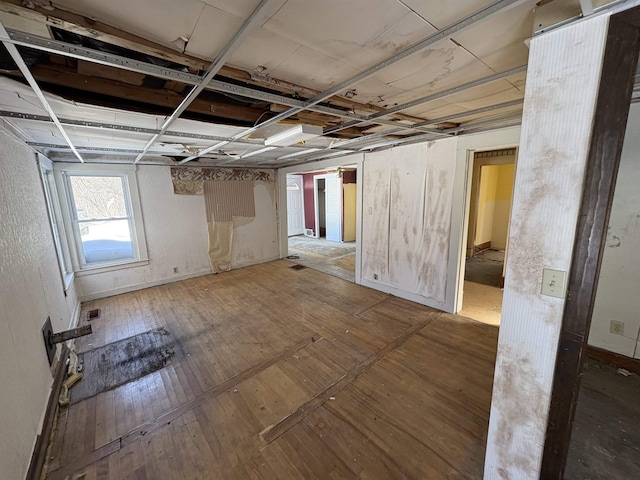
(227, 199)
(562, 83)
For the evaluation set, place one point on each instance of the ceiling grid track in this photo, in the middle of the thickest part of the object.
(17, 58)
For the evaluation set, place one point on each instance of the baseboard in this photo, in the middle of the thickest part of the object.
(142, 286)
(258, 262)
(414, 297)
(39, 454)
(615, 359)
(482, 247)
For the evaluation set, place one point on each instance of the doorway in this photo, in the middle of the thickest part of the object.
(328, 240)
(490, 196)
(295, 205)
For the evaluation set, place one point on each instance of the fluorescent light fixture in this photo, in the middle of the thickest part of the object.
(297, 154)
(294, 135)
(257, 152)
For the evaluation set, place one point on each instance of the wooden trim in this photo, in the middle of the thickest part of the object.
(42, 440)
(607, 138)
(614, 359)
(482, 247)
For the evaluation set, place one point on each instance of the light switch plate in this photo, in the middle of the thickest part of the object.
(553, 282)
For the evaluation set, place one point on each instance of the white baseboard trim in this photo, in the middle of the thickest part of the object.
(414, 297)
(141, 286)
(257, 262)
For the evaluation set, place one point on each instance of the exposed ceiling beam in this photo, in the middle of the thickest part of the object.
(435, 96)
(412, 49)
(13, 51)
(250, 23)
(116, 61)
(489, 108)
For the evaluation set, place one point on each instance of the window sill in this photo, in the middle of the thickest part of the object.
(109, 268)
(67, 280)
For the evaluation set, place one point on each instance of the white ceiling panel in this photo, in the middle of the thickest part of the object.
(212, 32)
(409, 30)
(375, 92)
(442, 66)
(239, 8)
(162, 21)
(313, 69)
(337, 28)
(499, 40)
(442, 14)
(263, 48)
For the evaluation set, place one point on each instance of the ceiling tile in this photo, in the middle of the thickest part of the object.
(313, 69)
(442, 14)
(263, 48)
(334, 27)
(162, 21)
(212, 32)
(499, 40)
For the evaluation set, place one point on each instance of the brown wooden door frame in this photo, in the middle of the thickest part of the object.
(612, 109)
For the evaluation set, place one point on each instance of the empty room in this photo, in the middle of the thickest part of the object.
(295, 239)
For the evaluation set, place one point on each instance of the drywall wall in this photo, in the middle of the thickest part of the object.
(617, 295)
(176, 234)
(502, 206)
(486, 204)
(31, 289)
(556, 130)
(407, 197)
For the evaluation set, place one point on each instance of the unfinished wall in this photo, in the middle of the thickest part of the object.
(562, 83)
(349, 199)
(176, 232)
(30, 290)
(617, 296)
(406, 217)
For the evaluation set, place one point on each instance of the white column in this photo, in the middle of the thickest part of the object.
(562, 83)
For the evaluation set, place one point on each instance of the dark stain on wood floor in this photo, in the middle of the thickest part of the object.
(117, 363)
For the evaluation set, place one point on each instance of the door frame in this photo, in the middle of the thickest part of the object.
(324, 176)
(301, 200)
(356, 160)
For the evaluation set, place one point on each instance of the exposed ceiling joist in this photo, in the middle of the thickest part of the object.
(406, 52)
(252, 21)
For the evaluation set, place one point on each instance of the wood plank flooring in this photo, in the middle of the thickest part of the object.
(284, 374)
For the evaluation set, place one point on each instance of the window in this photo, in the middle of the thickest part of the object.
(104, 216)
(55, 219)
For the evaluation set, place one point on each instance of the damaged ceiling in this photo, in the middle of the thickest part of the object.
(208, 81)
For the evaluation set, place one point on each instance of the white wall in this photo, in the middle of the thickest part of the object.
(406, 218)
(176, 233)
(617, 295)
(30, 290)
(562, 83)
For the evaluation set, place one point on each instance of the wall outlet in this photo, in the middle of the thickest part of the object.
(375, 276)
(617, 327)
(175, 269)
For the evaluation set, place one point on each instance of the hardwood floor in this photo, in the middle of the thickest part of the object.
(284, 373)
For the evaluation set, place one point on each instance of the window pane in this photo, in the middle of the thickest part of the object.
(106, 241)
(98, 197)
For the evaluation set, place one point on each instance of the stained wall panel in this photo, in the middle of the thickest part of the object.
(407, 204)
(564, 72)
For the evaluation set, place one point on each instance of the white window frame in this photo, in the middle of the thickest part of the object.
(56, 221)
(62, 172)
